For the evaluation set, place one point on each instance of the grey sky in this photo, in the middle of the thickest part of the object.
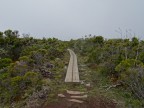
(66, 19)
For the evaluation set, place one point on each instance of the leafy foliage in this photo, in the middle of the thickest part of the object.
(118, 60)
(25, 63)
(5, 62)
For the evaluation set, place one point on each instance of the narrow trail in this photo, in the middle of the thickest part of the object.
(73, 76)
(72, 71)
(73, 97)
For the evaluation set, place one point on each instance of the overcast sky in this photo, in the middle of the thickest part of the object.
(66, 19)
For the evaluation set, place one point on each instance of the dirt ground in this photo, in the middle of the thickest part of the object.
(97, 102)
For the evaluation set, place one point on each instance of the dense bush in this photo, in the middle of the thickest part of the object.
(120, 60)
(25, 63)
(5, 62)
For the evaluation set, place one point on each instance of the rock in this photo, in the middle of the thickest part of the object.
(65, 67)
(75, 92)
(61, 95)
(88, 85)
(82, 82)
(79, 97)
(75, 100)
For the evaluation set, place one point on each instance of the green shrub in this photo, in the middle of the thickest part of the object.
(5, 62)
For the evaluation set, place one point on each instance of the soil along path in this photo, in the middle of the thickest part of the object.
(72, 71)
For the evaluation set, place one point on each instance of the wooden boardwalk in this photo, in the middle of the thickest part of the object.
(72, 71)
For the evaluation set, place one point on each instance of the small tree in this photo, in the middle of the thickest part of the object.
(131, 73)
(5, 62)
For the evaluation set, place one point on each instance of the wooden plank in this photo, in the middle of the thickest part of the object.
(68, 77)
(75, 70)
(72, 71)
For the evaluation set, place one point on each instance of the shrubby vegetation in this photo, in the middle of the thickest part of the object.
(24, 64)
(30, 69)
(121, 61)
